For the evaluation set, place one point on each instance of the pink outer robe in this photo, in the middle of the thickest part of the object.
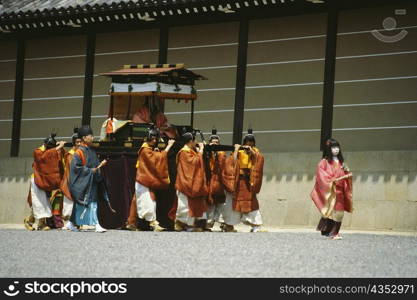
(329, 196)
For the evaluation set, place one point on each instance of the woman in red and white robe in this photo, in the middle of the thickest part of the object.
(332, 193)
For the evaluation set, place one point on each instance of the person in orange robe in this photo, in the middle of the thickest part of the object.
(166, 210)
(191, 186)
(332, 193)
(243, 180)
(165, 214)
(48, 170)
(67, 198)
(216, 190)
(60, 199)
(151, 175)
(132, 220)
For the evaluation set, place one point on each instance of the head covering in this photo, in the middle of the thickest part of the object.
(249, 137)
(75, 135)
(214, 135)
(187, 137)
(153, 133)
(50, 141)
(84, 131)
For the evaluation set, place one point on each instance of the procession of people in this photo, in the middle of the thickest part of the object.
(208, 187)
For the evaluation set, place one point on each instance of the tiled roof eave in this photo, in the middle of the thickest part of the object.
(127, 11)
(72, 11)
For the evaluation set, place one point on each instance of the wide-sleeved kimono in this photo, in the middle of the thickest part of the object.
(152, 168)
(151, 176)
(86, 186)
(48, 168)
(64, 186)
(330, 196)
(47, 175)
(216, 189)
(191, 180)
(153, 172)
(60, 199)
(243, 178)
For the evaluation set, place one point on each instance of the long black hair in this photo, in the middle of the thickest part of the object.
(327, 151)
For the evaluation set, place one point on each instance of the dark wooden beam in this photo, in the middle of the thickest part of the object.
(89, 78)
(329, 76)
(192, 114)
(163, 45)
(240, 81)
(163, 50)
(18, 98)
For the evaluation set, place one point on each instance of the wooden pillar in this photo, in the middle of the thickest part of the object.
(240, 81)
(18, 98)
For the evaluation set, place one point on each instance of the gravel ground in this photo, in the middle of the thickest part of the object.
(118, 253)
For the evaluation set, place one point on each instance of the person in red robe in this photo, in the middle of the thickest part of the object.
(165, 209)
(161, 120)
(152, 175)
(142, 115)
(48, 171)
(191, 187)
(332, 193)
(216, 190)
(242, 177)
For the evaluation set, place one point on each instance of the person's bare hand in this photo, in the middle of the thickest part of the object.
(342, 177)
(102, 164)
(200, 147)
(250, 148)
(60, 145)
(171, 142)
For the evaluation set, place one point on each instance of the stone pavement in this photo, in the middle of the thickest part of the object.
(277, 253)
